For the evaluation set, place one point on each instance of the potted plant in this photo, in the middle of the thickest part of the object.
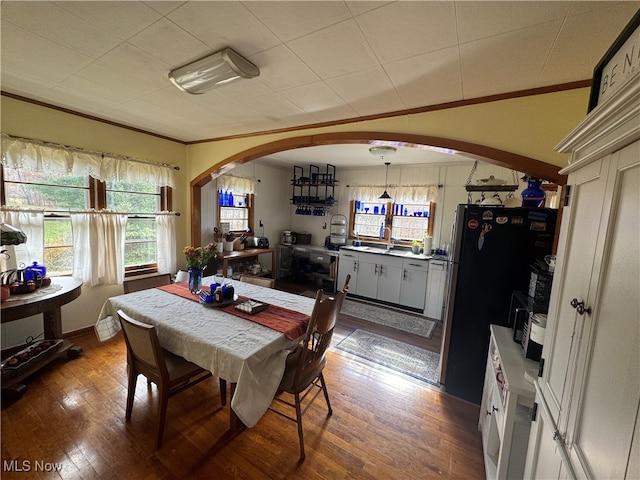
(197, 259)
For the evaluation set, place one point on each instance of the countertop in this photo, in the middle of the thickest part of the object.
(395, 252)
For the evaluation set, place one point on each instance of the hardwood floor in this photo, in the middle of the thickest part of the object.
(383, 426)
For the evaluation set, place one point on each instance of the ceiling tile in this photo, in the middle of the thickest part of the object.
(318, 50)
(280, 68)
(358, 7)
(275, 106)
(224, 24)
(405, 29)
(291, 20)
(103, 74)
(163, 7)
(369, 92)
(572, 55)
(128, 60)
(314, 98)
(170, 43)
(49, 21)
(121, 18)
(427, 79)
(506, 62)
(36, 57)
(478, 20)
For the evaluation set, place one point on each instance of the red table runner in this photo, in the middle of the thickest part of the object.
(293, 324)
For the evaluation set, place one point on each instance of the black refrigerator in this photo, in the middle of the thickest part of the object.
(492, 249)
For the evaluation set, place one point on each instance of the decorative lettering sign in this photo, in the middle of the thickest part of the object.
(618, 64)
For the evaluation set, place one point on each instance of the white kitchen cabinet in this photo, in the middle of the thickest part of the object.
(414, 283)
(389, 278)
(436, 284)
(380, 277)
(367, 276)
(348, 265)
(589, 391)
(507, 403)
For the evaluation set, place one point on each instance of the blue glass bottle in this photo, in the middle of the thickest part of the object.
(231, 199)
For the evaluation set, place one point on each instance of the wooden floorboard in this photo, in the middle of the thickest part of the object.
(384, 426)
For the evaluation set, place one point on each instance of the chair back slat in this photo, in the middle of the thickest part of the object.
(320, 331)
(261, 281)
(144, 283)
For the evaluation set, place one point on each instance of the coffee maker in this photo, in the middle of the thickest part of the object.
(287, 238)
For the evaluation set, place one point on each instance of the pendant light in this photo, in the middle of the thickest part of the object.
(385, 195)
(381, 151)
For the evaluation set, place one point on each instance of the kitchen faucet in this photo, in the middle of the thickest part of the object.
(389, 244)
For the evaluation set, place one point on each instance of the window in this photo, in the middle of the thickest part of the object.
(60, 195)
(29, 189)
(236, 210)
(141, 200)
(404, 222)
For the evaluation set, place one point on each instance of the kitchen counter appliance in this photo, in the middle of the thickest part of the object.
(257, 242)
(491, 253)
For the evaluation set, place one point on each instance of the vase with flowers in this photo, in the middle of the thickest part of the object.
(197, 259)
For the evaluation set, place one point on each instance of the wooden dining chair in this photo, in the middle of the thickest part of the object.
(143, 283)
(303, 372)
(170, 372)
(262, 281)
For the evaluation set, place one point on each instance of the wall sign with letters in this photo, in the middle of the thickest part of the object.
(618, 64)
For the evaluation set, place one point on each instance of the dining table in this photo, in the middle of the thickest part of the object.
(235, 346)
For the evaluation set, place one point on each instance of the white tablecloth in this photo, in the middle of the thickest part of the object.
(238, 350)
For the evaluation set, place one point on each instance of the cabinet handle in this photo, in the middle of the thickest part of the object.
(579, 306)
(494, 408)
(404, 275)
(355, 266)
(381, 269)
(376, 271)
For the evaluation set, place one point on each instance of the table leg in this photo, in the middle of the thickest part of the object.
(52, 323)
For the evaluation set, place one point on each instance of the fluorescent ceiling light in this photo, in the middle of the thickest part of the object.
(216, 69)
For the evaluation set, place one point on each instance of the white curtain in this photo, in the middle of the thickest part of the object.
(98, 247)
(32, 224)
(166, 242)
(237, 185)
(60, 160)
(406, 194)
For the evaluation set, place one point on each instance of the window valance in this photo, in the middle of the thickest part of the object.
(61, 160)
(237, 185)
(405, 194)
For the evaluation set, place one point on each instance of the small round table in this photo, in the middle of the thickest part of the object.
(47, 301)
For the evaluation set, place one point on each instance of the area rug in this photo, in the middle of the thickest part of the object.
(402, 357)
(385, 316)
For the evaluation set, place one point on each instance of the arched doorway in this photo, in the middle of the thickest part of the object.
(485, 153)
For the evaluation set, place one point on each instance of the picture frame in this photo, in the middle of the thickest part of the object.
(622, 50)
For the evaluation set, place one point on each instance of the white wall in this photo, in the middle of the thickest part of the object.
(273, 196)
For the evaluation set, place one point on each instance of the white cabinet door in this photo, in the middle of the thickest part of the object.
(543, 456)
(367, 278)
(435, 289)
(575, 257)
(389, 281)
(414, 283)
(348, 265)
(606, 396)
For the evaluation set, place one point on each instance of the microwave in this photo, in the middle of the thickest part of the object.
(521, 307)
